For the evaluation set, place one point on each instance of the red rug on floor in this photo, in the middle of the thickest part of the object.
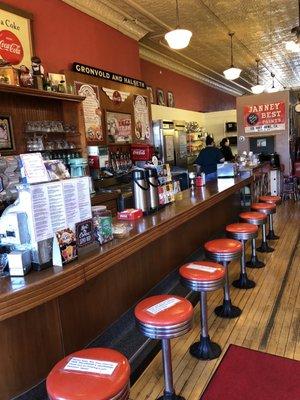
(245, 374)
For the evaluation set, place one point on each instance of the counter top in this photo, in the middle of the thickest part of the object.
(19, 294)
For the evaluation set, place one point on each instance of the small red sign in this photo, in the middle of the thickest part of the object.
(11, 49)
(264, 117)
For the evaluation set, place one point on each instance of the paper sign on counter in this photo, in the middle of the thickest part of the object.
(84, 198)
(41, 213)
(57, 206)
(205, 268)
(33, 168)
(91, 366)
(163, 305)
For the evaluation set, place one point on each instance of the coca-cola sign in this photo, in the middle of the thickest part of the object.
(11, 49)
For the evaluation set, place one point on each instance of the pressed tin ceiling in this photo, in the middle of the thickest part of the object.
(261, 29)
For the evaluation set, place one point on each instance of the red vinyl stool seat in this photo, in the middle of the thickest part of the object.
(224, 251)
(165, 317)
(91, 374)
(259, 219)
(271, 200)
(265, 208)
(203, 276)
(268, 209)
(242, 232)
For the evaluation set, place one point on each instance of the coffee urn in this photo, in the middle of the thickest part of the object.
(152, 180)
(140, 190)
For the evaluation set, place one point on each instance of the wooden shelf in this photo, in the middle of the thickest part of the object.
(4, 88)
(54, 150)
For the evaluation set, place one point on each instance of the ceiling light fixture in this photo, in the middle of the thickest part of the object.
(293, 46)
(232, 73)
(178, 38)
(257, 89)
(273, 89)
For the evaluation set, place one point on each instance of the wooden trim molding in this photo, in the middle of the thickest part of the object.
(104, 11)
(158, 58)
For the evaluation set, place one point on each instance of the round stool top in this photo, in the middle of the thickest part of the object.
(253, 215)
(164, 310)
(223, 246)
(241, 228)
(263, 206)
(93, 374)
(202, 271)
(270, 199)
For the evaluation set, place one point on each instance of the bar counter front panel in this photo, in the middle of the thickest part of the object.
(48, 314)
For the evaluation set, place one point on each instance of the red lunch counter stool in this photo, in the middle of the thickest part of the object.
(258, 219)
(90, 374)
(224, 251)
(203, 277)
(165, 317)
(242, 232)
(271, 200)
(267, 209)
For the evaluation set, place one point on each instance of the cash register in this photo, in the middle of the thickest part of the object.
(226, 170)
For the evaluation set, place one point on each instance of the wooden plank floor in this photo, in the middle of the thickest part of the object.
(270, 320)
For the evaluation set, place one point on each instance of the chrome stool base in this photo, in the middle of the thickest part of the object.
(254, 262)
(169, 396)
(205, 349)
(265, 248)
(271, 235)
(243, 282)
(227, 310)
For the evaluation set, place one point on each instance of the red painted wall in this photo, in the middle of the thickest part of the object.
(188, 94)
(63, 34)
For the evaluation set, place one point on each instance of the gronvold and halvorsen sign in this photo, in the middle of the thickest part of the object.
(111, 76)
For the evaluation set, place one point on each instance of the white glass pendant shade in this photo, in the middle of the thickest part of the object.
(292, 46)
(272, 89)
(232, 73)
(257, 89)
(178, 38)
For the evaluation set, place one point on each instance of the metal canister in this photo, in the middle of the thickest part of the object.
(140, 190)
(152, 180)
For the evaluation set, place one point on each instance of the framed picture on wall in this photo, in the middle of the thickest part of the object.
(6, 133)
(151, 94)
(118, 127)
(160, 97)
(15, 36)
(170, 99)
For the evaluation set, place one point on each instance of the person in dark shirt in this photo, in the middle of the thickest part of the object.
(208, 159)
(226, 150)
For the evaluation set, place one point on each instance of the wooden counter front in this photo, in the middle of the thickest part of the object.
(54, 312)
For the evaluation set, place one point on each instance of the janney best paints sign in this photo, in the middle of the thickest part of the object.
(15, 38)
(264, 117)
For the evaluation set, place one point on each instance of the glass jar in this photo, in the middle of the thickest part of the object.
(102, 220)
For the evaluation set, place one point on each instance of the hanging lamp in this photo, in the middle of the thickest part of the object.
(178, 38)
(232, 73)
(273, 88)
(257, 89)
(293, 46)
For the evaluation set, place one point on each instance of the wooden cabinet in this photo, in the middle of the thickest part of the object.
(27, 104)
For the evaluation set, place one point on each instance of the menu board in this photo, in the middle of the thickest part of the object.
(59, 205)
(42, 225)
(33, 169)
(91, 111)
(141, 118)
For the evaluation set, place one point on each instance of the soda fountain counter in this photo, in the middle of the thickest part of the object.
(46, 315)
